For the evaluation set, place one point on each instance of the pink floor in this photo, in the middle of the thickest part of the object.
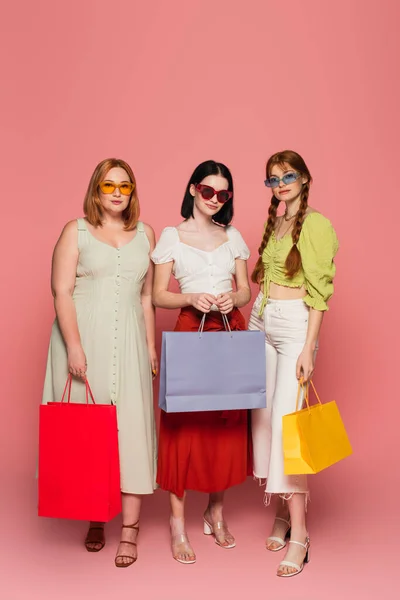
(350, 557)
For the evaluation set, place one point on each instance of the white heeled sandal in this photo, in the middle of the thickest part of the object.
(278, 540)
(292, 565)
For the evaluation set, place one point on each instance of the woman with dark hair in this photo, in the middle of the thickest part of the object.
(104, 331)
(295, 271)
(203, 451)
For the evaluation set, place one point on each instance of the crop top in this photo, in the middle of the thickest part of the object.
(199, 271)
(317, 245)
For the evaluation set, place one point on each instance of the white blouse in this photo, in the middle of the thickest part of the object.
(198, 271)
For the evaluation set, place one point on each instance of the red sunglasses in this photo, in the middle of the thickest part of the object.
(208, 192)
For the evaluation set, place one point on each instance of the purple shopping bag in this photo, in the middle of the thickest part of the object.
(213, 370)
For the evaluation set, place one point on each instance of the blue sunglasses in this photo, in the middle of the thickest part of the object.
(287, 179)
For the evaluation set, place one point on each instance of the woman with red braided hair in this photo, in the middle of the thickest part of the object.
(295, 271)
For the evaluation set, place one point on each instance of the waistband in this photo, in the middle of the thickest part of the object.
(285, 302)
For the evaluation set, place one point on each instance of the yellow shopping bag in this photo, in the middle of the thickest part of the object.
(313, 438)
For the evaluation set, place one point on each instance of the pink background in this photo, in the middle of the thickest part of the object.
(166, 85)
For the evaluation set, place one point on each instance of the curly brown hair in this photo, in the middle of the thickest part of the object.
(293, 260)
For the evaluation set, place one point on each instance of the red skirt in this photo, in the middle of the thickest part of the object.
(204, 451)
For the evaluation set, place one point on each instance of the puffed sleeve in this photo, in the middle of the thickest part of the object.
(318, 245)
(240, 248)
(164, 251)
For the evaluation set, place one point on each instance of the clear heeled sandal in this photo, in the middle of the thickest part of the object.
(180, 539)
(220, 532)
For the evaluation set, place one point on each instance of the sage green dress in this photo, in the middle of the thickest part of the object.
(107, 299)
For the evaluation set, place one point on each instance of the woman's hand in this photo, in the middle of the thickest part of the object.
(202, 302)
(225, 303)
(153, 361)
(77, 364)
(305, 364)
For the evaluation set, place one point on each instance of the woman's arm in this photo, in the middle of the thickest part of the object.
(162, 298)
(65, 260)
(148, 306)
(305, 362)
(226, 302)
(318, 245)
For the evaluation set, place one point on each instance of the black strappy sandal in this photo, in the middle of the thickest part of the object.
(95, 538)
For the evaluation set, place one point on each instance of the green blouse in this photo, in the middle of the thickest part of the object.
(317, 245)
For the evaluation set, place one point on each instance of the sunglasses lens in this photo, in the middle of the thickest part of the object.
(126, 189)
(207, 192)
(223, 196)
(107, 187)
(272, 182)
(289, 178)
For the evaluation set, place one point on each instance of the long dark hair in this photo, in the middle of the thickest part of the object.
(293, 260)
(209, 167)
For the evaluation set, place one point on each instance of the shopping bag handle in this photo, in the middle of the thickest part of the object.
(305, 387)
(69, 385)
(224, 319)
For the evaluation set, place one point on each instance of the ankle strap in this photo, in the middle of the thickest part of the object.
(300, 543)
(134, 526)
(218, 526)
(180, 538)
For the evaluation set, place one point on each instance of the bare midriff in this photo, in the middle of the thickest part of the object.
(283, 292)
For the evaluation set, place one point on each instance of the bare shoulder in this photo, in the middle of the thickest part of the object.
(221, 231)
(311, 210)
(149, 231)
(69, 233)
(185, 226)
(67, 243)
(151, 236)
(71, 226)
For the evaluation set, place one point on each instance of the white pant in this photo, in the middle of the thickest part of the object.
(285, 324)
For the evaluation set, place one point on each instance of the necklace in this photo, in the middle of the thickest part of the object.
(290, 218)
(278, 233)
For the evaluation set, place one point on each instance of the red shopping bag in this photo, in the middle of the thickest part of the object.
(78, 460)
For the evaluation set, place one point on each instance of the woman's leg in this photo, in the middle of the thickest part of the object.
(261, 417)
(261, 426)
(295, 552)
(288, 328)
(281, 526)
(181, 548)
(213, 517)
(127, 550)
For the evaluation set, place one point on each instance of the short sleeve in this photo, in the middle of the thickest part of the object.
(240, 248)
(164, 251)
(318, 246)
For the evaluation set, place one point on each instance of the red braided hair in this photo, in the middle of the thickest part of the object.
(293, 260)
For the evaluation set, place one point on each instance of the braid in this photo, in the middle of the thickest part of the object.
(257, 274)
(293, 260)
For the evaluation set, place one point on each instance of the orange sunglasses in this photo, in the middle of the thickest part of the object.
(108, 187)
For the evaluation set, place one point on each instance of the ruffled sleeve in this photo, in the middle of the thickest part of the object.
(318, 246)
(239, 246)
(164, 251)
